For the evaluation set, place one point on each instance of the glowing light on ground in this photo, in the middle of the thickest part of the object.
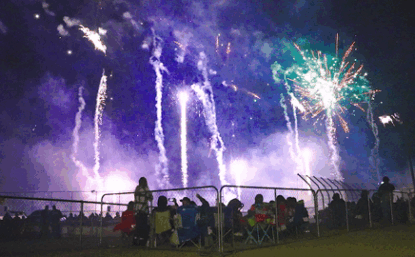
(94, 37)
(101, 97)
(158, 67)
(183, 97)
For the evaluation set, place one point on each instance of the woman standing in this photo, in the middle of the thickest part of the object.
(142, 196)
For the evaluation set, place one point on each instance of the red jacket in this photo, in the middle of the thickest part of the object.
(127, 222)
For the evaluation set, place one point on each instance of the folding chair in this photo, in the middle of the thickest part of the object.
(213, 230)
(261, 224)
(189, 231)
(162, 227)
(250, 232)
(266, 226)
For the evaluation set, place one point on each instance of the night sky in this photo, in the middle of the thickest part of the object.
(44, 59)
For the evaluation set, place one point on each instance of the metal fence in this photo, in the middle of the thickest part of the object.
(209, 193)
(356, 211)
(368, 211)
(92, 196)
(272, 231)
(77, 228)
(327, 187)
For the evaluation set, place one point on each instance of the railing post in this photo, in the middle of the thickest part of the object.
(391, 206)
(318, 190)
(316, 211)
(80, 225)
(276, 216)
(220, 221)
(71, 202)
(409, 205)
(100, 218)
(347, 217)
(370, 211)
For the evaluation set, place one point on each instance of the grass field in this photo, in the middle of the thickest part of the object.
(383, 242)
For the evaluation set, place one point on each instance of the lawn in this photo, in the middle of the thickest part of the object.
(381, 242)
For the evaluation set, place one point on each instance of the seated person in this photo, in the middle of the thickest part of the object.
(206, 219)
(282, 213)
(127, 223)
(258, 211)
(188, 213)
(291, 204)
(162, 219)
(233, 216)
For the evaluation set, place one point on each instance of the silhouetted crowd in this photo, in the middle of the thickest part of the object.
(375, 209)
(180, 224)
(177, 224)
(47, 224)
(188, 222)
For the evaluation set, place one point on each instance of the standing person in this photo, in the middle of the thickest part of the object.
(362, 206)
(56, 216)
(45, 222)
(338, 211)
(385, 192)
(142, 197)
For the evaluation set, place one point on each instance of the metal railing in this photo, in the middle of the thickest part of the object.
(401, 208)
(369, 209)
(269, 194)
(209, 193)
(31, 208)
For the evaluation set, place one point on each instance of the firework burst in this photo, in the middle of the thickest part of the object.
(390, 119)
(95, 37)
(326, 85)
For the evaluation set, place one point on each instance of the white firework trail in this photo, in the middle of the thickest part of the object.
(101, 97)
(296, 154)
(237, 167)
(158, 66)
(334, 152)
(75, 134)
(289, 126)
(205, 94)
(94, 37)
(375, 150)
(183, 97)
